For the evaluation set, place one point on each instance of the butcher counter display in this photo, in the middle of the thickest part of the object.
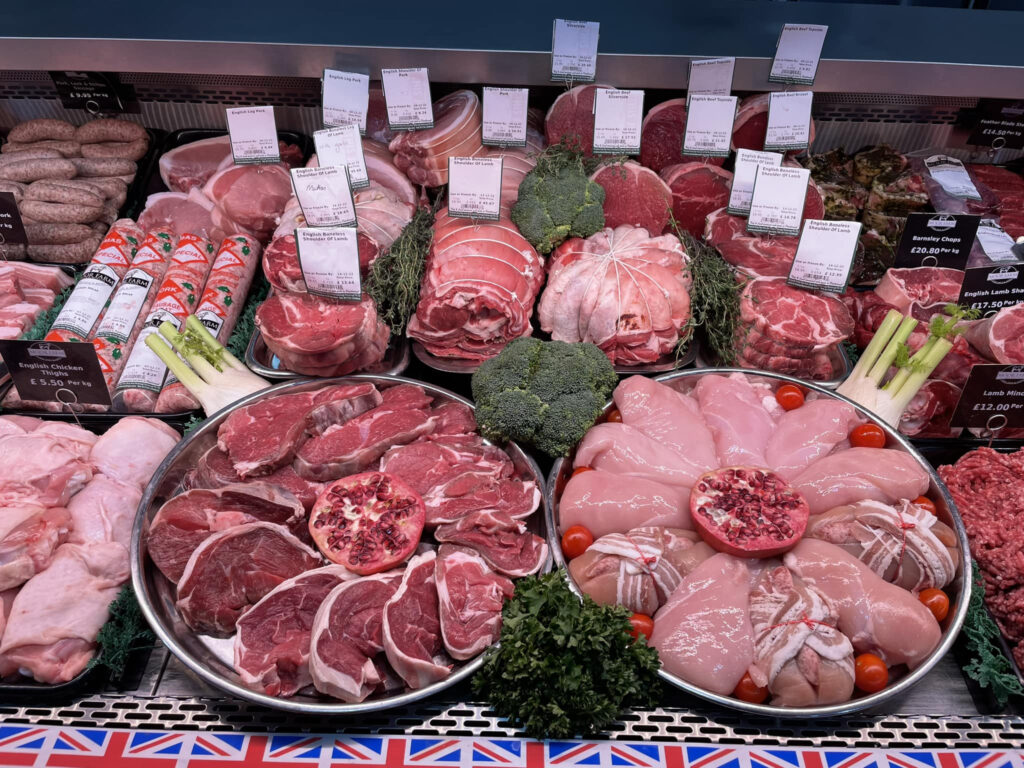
(761, 533)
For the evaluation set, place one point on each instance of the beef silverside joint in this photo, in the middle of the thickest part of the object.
(122, 321)
(218, 309)
(143, 375)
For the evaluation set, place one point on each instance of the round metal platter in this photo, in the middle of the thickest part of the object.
(157, 595)
(959, 590)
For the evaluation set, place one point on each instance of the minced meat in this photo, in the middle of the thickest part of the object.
(988, 488)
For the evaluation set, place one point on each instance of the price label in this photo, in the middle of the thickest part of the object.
(618, 116)
(12, 230)
(777, 203)
(343, 147)
(407, 95)
(325, 196)
(55, 371)
(329, 260)
(952, 176)
(797, 53)
(253, 133)
(937, 240)
(504, 117)
(992, 399)
(709, 122)
(824, 255)
(789, 120)
(95, 92)
(1000, 125)
(994, 241)
(574, 50)
(712, 77)
(474, 187)
(747, 163)
(345, 98)
(990, 289)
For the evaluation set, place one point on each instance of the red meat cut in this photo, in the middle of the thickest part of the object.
(504, 543)
(751, 126)
(377, 127)
(761, 255)
(698, 189)
(572, 117)
(794, 317)
(263, 436)
(348, 637)
(634, 195)
(215, 470)
(190, 518)
(249, 197)
(454, 418)
(1000, 337)
(319, 336)
(470, 597)
(281, 261)
(273, 641)
(234, 569)
(930, 410)
(919, 285)
(661, 138)
(412, 626)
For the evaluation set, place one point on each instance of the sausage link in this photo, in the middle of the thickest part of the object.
(28, 154)
(127, 150)
(40, 129)
(109, 129)
(63, 148)
(62, 192)
(109, 186)
(57, 234)
(15, 188)
(77, 253)
(38, 168)
(104, 166)
(63, 213)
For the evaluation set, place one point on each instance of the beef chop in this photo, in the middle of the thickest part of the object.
(634, 195)
(215, 470)
(470, 596)
(504, 543)
(233, 569)
(272, 646)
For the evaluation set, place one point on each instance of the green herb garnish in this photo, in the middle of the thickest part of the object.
(125, 632)
(565, 667)
(246, 325)
(988, 665)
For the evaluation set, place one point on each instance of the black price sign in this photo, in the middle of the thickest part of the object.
(993, 398)
(989, 289)
(1000, 125)
(95, 92)
(55, 371)
(12, 231)
(937, 240)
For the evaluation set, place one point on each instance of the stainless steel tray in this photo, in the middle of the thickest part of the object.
(265, 363)
(157, 595)
(840, 362)
(959, 590)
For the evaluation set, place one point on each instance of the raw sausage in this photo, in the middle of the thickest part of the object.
(129, 150)
(104, 166)
(38, 168)
(180, 291)
(62, 148)
(218, 309)
(28, 154)
(112, 186)
(76, 253)
(61, 212)
(49, 191)
(40, 129)
(57, 234)
(109, 129)
(15, 188)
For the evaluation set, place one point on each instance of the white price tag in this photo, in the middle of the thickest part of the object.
(789, 120)
(777, 204)
(618, 116)
(407, 95)
(797, 53)
(952, 176)
(345, 98)
(253, 135)
(824, 255)
(574, 50)
(504, 120)
(995, 242)
(710, 77)
(329, 260)
(474, 187)
(747, 162)
(325, 196)
(709, 120)
(343, 146)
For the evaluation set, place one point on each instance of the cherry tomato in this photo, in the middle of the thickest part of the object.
(747, 690)
(868, 436)
(576, 540)
(581, 470)
(642, 625)
(924, 501)
(871, 673)
(789, 396)
(615, 416)
(936, 601)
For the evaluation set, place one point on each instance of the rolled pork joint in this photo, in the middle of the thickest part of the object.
(423, 155)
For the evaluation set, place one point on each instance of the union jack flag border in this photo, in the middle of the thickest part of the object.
(58, 747)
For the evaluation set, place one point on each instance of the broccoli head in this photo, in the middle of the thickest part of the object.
(553, 207)
(544, 393)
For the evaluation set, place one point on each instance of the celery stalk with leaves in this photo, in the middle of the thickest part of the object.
(206, 368)
(889, 349)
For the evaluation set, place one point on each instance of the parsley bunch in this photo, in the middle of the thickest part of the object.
(565, 667)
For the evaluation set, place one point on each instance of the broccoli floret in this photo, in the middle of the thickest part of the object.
(545, 393)
(551, 207)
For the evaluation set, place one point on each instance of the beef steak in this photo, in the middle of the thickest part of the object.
(504, 543)
(697, 190)
(470, 597)
(661, 137)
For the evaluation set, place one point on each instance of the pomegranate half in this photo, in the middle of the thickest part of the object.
(748, 512)
(367, 522)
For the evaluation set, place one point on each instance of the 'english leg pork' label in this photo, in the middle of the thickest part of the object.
(345, 98)
(253, 134)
